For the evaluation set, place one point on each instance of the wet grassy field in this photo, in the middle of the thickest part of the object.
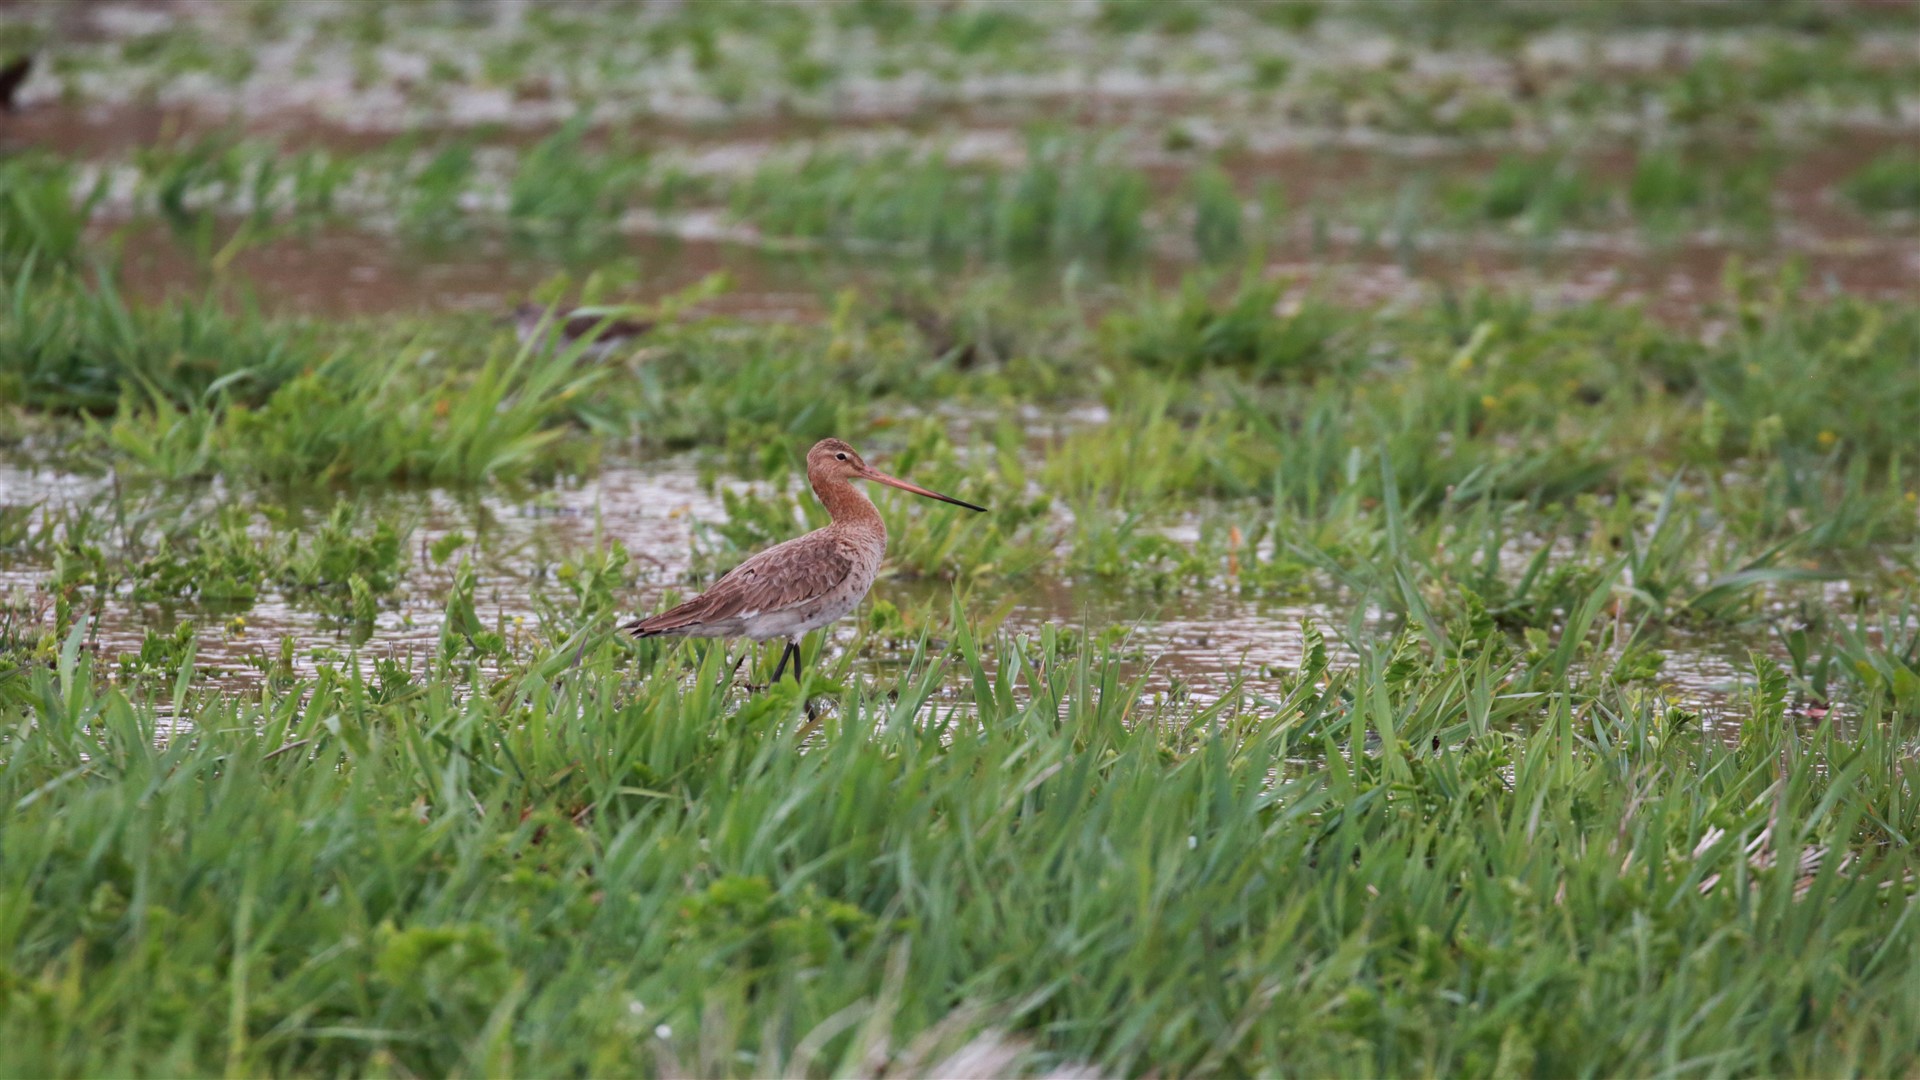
(1450, 600)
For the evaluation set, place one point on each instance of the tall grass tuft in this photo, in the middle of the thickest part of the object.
(1888, 182)
(1068, 200)
(1218, 216)
(43, 214)
(71, 347)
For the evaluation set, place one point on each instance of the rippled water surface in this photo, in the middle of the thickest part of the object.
(1196, 642)
(1362, 232)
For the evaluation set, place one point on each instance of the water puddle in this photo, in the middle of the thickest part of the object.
(1365, 224)
(353, 273)
(1193, 646)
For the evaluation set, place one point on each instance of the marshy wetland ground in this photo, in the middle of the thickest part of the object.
(1450, 601)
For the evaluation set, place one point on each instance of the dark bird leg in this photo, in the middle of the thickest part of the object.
(792, 651)
(812, 715)
(12, 74)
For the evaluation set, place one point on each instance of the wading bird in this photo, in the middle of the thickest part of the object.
(564, 330)
(807, 582)
(12, 74)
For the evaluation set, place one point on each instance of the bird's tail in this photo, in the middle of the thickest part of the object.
(689, 619)
(672, 620)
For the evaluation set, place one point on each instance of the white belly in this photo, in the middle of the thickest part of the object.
(794, 622)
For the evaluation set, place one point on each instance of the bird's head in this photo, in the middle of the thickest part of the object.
(833, 461)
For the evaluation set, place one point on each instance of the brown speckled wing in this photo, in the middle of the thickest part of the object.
(578, 326)
(783, 576)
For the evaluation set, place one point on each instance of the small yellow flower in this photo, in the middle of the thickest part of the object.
(1913, 496)
(1488, 401)
(1828, 438)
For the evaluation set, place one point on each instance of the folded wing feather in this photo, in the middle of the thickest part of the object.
(783, 576)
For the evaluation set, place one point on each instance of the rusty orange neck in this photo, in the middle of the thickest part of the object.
(846, 504)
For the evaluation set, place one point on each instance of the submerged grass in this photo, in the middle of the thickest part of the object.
(344, 567)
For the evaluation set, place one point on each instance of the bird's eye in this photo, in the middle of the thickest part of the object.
(842, 457)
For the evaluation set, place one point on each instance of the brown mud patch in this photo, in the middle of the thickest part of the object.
(343, 273)
(347, 273)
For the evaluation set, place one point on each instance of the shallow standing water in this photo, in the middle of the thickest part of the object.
(1197, 642)
(1361, 230)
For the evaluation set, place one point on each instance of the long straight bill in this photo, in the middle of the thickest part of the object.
(894, 481)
